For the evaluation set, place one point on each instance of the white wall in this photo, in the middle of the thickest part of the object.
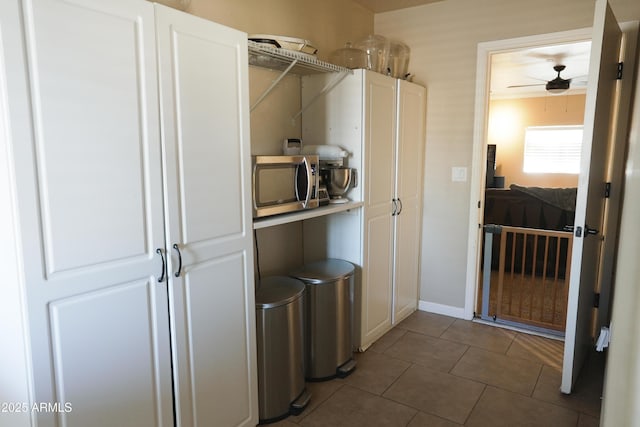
(443, 38)
(623, 364)
(280, 248)
(327, 23)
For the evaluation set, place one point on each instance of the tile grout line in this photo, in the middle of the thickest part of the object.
(513, 340)
(469, 345)
(410, 365)
(398, 402)
(537, 380)
(503, 353)
(301, 419)
(458, 361)
(388, 399)
(397, 378)
(444, 373)
(412, 418)
(476, 404)
(447, 328)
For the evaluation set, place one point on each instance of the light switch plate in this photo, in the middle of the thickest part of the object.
(459, 174)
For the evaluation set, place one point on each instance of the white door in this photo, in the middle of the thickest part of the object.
(205, 131)
(88, 175)
(408, 220)
(379, 155)
(598, 126)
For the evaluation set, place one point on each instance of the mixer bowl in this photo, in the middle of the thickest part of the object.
(338, 181)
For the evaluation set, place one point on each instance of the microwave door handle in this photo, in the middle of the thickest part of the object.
(253, 186)
(309, 183)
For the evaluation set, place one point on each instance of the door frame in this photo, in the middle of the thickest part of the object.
(480, 127)
(630, 32)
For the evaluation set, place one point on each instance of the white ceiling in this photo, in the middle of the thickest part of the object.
(535, 67)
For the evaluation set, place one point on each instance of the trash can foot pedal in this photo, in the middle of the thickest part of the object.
(298, 405)
(347, 368)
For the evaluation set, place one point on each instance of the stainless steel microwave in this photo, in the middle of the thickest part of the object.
(283, 184)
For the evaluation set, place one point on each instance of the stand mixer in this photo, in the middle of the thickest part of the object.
(337, 178)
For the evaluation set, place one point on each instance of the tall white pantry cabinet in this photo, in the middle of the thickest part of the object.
(125, 200)
(381, 122)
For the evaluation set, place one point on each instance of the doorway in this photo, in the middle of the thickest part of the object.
(480, 137)
(605, 132)
(535, 114)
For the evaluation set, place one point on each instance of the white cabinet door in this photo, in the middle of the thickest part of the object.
(378, 177)
(88, 180)
(205, 130)
(408, 220)
(361, 113)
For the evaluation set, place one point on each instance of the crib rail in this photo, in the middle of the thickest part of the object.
(530, 281)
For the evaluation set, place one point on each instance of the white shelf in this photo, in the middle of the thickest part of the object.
(266, 56)
(289, 61)
(302, 215)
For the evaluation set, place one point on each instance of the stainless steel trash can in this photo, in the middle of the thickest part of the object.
(328, 318)
(279, 330)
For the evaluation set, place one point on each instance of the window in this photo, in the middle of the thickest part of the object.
(552, 149)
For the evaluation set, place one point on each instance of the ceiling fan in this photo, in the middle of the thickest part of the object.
(557, 85)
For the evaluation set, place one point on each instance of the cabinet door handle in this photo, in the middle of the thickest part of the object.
(400, 202)
(175, 246)
(395, 207)
(161, 279)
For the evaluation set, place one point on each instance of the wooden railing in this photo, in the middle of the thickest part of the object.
(531, 282)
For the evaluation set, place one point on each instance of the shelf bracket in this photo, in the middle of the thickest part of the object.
(330, 85)
(273, 84)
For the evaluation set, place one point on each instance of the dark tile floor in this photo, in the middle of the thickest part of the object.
(434, 370)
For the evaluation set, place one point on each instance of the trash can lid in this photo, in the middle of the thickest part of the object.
(326, 271)
(275, 291)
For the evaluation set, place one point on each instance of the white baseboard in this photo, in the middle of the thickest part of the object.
(446, 310)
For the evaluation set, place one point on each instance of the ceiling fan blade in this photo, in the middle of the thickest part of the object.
(556, 58)
(539, 79)
(514, 86)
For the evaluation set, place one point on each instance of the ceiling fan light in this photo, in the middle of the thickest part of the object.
(558, 85)
(557, 91)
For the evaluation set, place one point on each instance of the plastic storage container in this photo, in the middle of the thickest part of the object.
(399, 59)
(349, 57)
(279, 330)
(328, 318)
(376, 50)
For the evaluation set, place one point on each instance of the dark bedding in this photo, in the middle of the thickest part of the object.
(561, 198)
(530, 207)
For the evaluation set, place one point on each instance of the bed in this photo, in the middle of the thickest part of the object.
(530, 207)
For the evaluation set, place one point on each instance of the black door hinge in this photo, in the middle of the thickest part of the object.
(596, 300)
(620, 67)
(479, 204)
(607, 190)
(578, 231)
